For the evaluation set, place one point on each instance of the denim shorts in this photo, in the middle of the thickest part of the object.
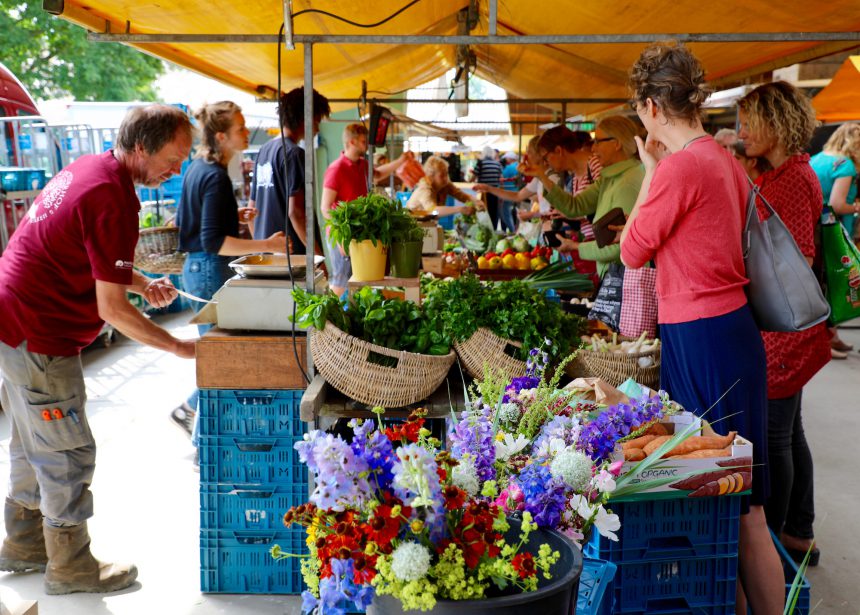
(341, 267)
(203, 274)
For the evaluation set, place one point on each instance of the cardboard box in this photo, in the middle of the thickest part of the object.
(250, 360)
(24, 607)
(742, 449)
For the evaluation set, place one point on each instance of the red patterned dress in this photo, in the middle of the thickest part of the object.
(794, 192)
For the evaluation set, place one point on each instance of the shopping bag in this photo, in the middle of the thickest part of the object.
(484, 219)
(607, 303)
(530, 230)
(639, 308)
(841, 272)
(410, 172)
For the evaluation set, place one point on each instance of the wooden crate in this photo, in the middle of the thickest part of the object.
(251, 360)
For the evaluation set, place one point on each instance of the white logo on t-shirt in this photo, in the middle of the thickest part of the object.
(121, 264)
(51, 197)
(264, 175)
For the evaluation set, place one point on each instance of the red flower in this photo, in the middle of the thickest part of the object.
(454, 497)
(382, 528)
(524, 564)
(364, 568)
(405, 431)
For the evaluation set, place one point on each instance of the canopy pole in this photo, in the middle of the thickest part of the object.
(288, 25)
(494, 17)
(310, 158)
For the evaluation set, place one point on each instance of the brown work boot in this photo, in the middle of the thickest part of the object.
(72, 568)
(24, 546)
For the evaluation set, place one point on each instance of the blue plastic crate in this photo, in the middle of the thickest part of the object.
(248, 507)
(240, 562)
(595, 588)
(250, 461)
(671, 529)
(676, 586)
(790, 569)
(251, 413)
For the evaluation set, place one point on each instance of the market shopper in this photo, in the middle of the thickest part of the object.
(726, 138)
(66, 271)
(488, 171)
(777, 122)
(753, 165)
(432, 191)
(688, 218)
(208, 218)
(278, 187)
(345, 180)
(618, 185)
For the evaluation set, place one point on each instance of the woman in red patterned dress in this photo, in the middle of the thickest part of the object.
(776, 123)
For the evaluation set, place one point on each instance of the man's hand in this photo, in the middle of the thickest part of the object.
(247, 214)
(185, 349)
(568, 245)
(160, 292)
(481, 188)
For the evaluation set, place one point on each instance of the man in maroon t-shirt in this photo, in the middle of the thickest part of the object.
(346, 180)
(66, 271)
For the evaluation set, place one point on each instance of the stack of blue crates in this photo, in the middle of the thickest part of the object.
(675, 555)
(250, 476)
(595, 587)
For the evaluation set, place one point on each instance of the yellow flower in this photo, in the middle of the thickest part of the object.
(416, 526)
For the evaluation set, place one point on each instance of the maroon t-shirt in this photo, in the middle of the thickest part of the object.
(83, 227)
(346, 177)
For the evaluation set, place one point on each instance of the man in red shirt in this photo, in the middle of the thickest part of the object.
(346, 180)
(66, 271)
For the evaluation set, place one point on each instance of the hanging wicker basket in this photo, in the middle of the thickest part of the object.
(375, 375)
(485, 347)
(157, 250)
(615, 367)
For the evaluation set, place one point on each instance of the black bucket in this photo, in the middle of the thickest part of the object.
(555, 596)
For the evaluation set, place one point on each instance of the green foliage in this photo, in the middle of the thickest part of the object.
(392, 323)
(511, 309)
(365, 218)
(53, 58)
(404, 227)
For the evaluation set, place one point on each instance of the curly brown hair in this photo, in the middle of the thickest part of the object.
(780, 110)
(845, 141)
(672, 77)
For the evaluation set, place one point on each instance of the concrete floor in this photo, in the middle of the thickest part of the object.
(146, 493)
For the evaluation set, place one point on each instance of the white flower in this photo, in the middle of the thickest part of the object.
(509, 413)
(465, 476)
(607, 523)
(509, 446)
(410, 561)
(573, 467)
(550, 448)
(604, 481)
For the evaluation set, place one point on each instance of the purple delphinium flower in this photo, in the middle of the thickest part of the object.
(543, 495)
(598, 438)
(338, 591)
(474, 435)
(560, 427)
(416, 483)
(340, 474)
(371, 444)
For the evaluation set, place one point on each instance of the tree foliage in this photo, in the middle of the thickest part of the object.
(53, 58)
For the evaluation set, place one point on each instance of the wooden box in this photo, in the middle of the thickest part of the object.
(251, 360)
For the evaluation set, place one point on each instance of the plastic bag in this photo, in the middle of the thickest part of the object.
(607, 304)
(841, 271)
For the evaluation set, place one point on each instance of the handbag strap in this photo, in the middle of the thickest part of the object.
(754, 193)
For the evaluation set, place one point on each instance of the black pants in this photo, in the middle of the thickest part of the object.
(790, 507)
(493, 209)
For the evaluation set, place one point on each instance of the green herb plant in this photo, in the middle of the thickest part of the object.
(404, 228)
(365, 218)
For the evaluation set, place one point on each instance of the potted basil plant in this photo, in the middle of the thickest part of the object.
(407, 242)
(363, 227)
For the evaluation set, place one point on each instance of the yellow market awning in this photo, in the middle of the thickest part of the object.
(595, 69)
(840, 100)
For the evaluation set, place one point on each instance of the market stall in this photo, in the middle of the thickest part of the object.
(256, 447)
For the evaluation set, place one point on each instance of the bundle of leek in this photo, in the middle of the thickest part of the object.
(559, 276)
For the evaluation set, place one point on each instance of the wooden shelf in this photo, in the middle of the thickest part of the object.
(323, 401)
(411, 286)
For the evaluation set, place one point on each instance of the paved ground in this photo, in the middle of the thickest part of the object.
(147, 503)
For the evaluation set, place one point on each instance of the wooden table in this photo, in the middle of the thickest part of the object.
(322, 402)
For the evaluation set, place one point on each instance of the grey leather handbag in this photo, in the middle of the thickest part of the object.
(783, 292)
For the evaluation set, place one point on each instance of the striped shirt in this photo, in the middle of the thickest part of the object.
(489, 172)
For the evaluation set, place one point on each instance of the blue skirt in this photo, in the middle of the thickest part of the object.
(702, 359)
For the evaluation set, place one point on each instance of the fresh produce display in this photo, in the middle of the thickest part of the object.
(511, 309)
(596, 343)
(392, 323)
(372, 217)
(558, 276)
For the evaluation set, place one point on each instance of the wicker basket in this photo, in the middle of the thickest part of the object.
(615, 367)
(157, 250)
(486, 347)
(345, 362)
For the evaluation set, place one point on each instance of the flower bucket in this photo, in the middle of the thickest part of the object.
(368, 261)
(555, 596)
(406, 259)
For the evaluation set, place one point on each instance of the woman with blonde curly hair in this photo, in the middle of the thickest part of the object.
(836, 167)
(432, 191)
(688, 218)
(777, 122)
